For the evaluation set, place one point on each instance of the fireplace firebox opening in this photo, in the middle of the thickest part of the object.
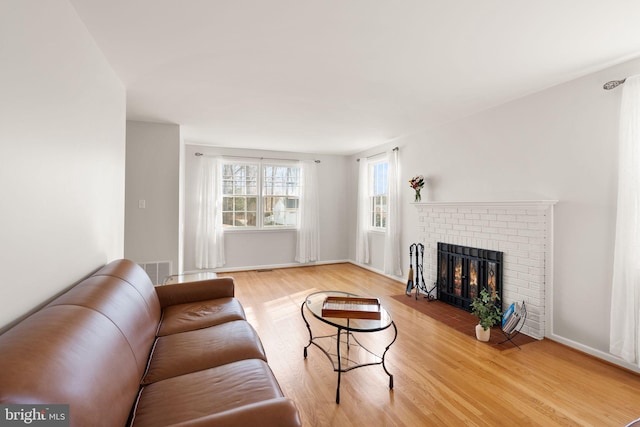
(464, 271)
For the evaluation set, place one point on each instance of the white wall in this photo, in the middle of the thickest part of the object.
(152, 175)
(263, 249)
(62, 150)
(559, 144)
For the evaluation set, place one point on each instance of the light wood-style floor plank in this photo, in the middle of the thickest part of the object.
(441, 377)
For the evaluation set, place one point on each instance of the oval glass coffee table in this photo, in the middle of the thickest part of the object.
(343, 348)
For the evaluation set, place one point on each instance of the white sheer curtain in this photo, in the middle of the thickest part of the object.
(625, 297)
(392, 232)
(362, 235)
(308, 245)
(209, 235)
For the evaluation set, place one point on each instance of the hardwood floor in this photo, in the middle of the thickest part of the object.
(442, 377)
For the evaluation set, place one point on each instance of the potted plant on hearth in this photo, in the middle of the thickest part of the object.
(485, 308)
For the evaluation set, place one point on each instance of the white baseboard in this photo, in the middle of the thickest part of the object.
(267, 267)
(290, 265)
(595, 352)
(375, 270)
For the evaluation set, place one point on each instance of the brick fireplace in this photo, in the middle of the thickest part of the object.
(521, 230)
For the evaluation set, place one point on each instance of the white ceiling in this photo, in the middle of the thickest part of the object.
(341, 76)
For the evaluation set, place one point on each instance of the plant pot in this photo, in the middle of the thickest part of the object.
(482, 334)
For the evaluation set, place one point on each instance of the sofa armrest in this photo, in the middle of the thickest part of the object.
(181, 293)
(281, 412)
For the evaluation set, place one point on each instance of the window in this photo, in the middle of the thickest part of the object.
(378, 194)
(239, 195)
(260, 195)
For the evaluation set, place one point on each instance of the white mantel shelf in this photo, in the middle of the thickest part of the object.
(501, 203)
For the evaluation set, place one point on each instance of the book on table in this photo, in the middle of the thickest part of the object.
(351, 307)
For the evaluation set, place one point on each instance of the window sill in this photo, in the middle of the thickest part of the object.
(258, 230)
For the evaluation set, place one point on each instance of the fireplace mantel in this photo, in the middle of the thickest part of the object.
(521, 229)
(495, 204)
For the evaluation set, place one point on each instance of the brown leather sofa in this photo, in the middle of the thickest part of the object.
(122, 352)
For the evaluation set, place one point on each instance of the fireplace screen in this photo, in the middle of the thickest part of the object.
(463, 272)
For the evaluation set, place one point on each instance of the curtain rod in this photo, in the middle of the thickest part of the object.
(374, 155)
(259, 158)
(613, 84)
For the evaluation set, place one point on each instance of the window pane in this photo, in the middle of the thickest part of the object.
(379, 187)
(281, 181)
(280, 211)
(240, 179)
(379, 178)
(278, 182)
(239, 211)
(227, 204)
(227, 219)
(378, 212)
(251, 219)
(227, 186)
(238, 204)
(252, 203)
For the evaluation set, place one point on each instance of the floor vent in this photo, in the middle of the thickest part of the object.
(158, 271)
(264, 270)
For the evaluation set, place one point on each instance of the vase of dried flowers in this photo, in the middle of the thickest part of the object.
(417, 182)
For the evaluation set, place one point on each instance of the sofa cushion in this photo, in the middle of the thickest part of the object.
(192, 351)
(123, 305)
(216, 390)
(279, 412)
(181, 293)
(72, 355)
(201, 314)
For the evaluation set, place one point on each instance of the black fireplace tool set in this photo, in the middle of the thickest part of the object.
(419, 284)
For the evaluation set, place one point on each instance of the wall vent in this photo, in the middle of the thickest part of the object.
(158, 271)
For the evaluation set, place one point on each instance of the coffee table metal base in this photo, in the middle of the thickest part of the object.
(345, 351)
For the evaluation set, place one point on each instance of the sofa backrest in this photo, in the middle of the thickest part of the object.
(87, 348)
(133, 274)
(69, 354)
(123, 305)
